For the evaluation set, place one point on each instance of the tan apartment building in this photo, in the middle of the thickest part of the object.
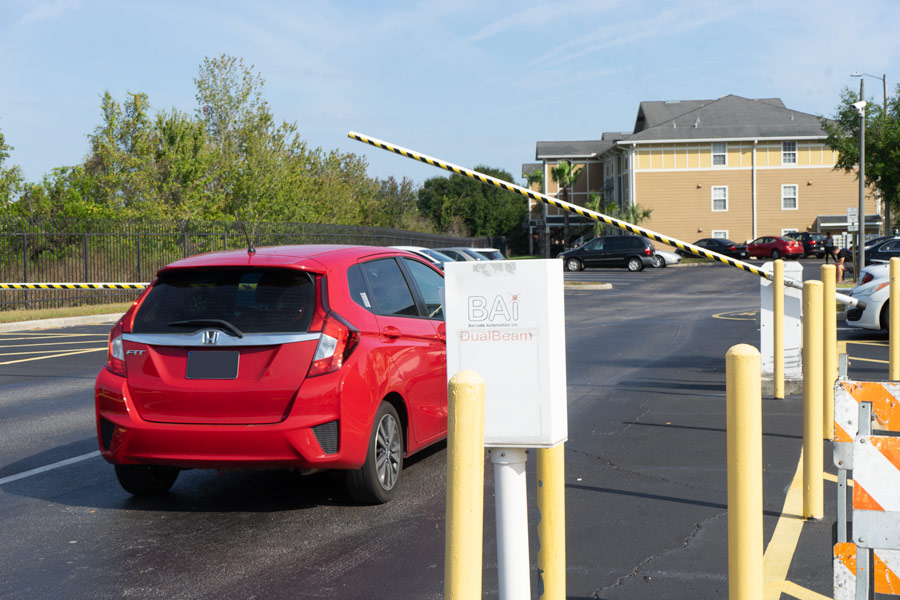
(734, 167)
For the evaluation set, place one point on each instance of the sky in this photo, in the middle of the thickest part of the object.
(469, 82)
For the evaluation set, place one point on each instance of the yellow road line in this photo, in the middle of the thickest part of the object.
(42, 344)
(781, 548)
(12, 362)
(801, 593)
(861, 343)
(874, 360)
(833, 479)
(26, 353)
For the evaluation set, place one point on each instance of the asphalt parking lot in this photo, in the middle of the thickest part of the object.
(645, 475)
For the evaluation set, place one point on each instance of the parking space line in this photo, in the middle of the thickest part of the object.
(49, 467)
(801, 593)
(21, 360)
(45, 344)
(783, 545)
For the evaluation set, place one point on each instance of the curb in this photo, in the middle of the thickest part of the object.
(60, 322)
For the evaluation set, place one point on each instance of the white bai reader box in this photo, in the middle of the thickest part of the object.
(506, 321)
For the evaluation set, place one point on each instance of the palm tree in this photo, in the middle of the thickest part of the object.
(565, 174)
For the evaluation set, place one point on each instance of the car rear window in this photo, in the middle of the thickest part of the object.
(252, 300)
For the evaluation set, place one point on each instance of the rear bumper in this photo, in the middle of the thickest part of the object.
(125, 438)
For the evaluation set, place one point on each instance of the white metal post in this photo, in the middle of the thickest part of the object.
(511, 506)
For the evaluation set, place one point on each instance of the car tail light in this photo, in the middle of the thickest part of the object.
(337, 342)
(732, 248)
(867, 278)
(115, 355)
(648, 251)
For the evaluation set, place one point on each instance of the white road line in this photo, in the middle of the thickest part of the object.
(49, 467)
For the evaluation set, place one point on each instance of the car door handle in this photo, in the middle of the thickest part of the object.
(391, 332)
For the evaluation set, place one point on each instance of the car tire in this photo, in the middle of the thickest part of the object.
(573, 264)
(884, 319)
(634, 264)
(776, 254)
(376, 481)
(658, 261)
(146, 480)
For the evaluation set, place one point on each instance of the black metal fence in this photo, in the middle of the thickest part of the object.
(66, 250)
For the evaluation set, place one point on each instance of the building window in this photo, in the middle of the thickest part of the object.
(719, 158)
(789, 197)
(719, 198)
(789, 153)
(720, 234)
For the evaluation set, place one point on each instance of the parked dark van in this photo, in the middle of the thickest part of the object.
(629, 251)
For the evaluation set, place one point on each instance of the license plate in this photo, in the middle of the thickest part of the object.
(221, 364)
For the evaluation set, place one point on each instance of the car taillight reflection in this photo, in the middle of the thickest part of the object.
(338, 341)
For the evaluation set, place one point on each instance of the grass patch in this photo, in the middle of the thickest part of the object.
(14, 316)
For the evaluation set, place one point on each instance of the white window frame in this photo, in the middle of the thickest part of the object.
(789, 230)
(789, 153)
(795, 196)
(712, 204)
(719, 234)
(723, 154)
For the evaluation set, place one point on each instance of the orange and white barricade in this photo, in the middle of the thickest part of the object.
(871, 560)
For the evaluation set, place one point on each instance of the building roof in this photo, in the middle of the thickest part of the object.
(531, 168)
(726, 118)
(582, 149)
(654, 113)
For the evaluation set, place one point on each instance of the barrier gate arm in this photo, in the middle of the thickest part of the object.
(596, 216)
(72, 286)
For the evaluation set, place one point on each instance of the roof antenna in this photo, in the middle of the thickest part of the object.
(697, 122)
(250, 248)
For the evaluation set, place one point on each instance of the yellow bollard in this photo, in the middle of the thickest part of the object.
(465, 487)
(778, 326)
(551, 499)
(744, 451)
(813, 504)
(894, 324)
(829, 349)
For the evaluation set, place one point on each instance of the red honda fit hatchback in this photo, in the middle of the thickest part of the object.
(301, 357)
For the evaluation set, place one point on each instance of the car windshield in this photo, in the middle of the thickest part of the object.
(248, 300)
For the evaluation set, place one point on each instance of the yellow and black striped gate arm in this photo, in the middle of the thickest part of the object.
(73, 286)
(579, 210)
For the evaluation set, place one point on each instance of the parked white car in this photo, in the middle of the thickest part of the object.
(436, 258)
(663, 258)
(873, 289)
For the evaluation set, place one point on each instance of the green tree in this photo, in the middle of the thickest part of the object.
(460, 205)
(120, 163)
(565, 174)
(634, 214)
(10, 176)
(882, 144)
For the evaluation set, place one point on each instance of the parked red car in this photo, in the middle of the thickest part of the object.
(300, 357)
(775, 247)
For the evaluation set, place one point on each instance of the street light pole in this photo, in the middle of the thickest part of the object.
(883, 78)
(860, 234)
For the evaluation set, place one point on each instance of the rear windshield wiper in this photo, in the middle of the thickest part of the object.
(208, 322)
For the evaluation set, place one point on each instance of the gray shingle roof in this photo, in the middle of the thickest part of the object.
(732, 117)
(582, 149)
(531, 167)
(654, 113)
